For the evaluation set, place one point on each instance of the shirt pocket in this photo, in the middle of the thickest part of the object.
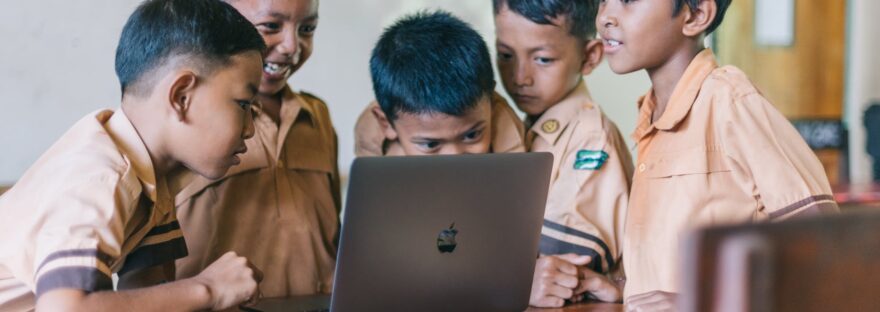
(701, 160)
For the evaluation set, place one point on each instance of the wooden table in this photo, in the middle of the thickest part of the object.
(584, 307)
(313, 303)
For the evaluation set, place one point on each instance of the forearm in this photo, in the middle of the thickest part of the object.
(186, 295)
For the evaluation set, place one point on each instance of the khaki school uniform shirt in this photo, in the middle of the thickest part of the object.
(720, 153)
(91, 206)
(589, 183)
(279, 207)
(507, 132)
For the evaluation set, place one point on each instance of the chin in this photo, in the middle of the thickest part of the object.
(215, 173)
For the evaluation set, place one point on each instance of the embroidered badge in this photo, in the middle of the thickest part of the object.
(590, 160)
(550, 126)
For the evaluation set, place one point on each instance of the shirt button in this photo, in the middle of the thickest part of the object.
(642, 167)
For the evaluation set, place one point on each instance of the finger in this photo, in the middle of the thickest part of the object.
(567, 281)
(258, 274)
(577, 260)
(548, 302)
(559, 291)
(601, 288)
(565, 266)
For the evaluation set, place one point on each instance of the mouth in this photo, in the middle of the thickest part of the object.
(524, 97)
(277, 70)
(611, 44)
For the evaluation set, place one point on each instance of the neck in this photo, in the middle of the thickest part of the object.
(144, 115)
(665, 77)
(271, 105)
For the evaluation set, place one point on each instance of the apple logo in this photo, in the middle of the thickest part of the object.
(446, 239)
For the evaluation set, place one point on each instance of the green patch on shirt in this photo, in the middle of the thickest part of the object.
(590, 160)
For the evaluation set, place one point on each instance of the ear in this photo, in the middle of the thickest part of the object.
(384, 123)
(698, 19)
(180, 95)
(593, 52)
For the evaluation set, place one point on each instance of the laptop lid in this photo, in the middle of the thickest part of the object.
(441, 233)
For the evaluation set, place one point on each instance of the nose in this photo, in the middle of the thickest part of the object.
(289, 45)
(523, 75)
(606, 17)
(452, 149)
(249, 129)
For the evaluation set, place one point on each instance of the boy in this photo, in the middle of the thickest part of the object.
(432, 76)
(544, 50)
(97, 202)
(285, 192)
(711, 148)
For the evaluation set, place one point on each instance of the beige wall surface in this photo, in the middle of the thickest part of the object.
(57, 65)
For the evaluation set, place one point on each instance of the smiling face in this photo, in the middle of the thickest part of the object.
(640, 34)
(219, 117)
(442, 134)
(288, 28)
(539, 64)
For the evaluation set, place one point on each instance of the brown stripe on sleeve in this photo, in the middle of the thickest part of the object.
(156, 254)
(823, 203)
(76, 253)
(83, 278)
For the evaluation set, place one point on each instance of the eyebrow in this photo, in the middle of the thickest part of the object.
(530, 51)
(253, 89)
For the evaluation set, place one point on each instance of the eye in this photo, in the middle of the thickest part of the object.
(308, 29)
(269, 27)
(504, 56)
(428, 146)
(544, 60)
(244, 105)
(473, 135)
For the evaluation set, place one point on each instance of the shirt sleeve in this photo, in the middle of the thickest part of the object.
(80, 234)
(776, 164)
(586, 212)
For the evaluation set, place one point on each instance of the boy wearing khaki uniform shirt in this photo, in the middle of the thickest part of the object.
(545, 48)
(572, 130)
(279, 207)
(97, 202)
(711, 149)
(507, 132)
(719, 154)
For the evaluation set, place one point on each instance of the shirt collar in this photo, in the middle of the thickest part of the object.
(132, 146)
(683, 97)
(562, 113)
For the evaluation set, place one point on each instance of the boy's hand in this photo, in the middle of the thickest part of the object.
(597, 285)
(231, 280)
(556, 279)
(652, 301)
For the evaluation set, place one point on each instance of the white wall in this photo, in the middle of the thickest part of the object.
(863, 80)
(57, 65)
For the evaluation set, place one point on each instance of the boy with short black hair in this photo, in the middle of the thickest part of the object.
(712, 149)
(545, 48)
(97, 203)
(433, 81)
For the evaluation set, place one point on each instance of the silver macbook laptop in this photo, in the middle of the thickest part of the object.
(441, 233)
(437, 233)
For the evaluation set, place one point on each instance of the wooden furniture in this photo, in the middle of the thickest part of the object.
(315, 303)
(829, 263)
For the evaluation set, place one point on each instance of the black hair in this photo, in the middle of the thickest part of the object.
(430, 62)
(579, 14)
(719, 16)
(206, 32)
